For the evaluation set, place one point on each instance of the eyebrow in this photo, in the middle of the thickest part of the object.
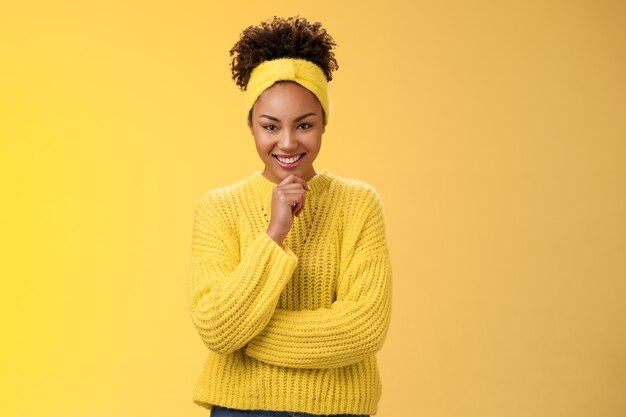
(297, 119)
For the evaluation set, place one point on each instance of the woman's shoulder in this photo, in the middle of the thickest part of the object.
(223, 194)
(353, 187)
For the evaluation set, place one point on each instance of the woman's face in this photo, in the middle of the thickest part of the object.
(287, 120)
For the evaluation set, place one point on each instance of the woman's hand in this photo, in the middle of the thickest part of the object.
(290, 190)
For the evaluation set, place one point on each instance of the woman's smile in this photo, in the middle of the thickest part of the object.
(289, 163)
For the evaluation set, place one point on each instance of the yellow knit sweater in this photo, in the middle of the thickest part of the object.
(293, 327)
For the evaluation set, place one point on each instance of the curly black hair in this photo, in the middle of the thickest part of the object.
(292, 37)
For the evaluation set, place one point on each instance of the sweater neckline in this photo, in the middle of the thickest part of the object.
(319, 183)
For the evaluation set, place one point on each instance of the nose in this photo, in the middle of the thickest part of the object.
(287, 141)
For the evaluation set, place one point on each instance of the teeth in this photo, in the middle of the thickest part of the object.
(289, 160)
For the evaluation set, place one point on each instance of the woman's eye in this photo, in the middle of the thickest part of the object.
(305, 126)
(269, 127)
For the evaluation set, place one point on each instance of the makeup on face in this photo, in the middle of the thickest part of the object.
(287, 125)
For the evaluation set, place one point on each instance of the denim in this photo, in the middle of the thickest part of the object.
(230, 412)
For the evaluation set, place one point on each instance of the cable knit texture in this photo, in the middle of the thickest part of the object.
(291, 327)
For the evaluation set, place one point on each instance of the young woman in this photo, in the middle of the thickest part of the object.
(290, 284)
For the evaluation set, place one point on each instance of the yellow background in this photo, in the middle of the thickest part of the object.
(493, 130)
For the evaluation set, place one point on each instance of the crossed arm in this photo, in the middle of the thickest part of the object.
(233, 301)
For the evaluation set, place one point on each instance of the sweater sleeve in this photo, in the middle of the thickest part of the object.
(233, 296)
(355, 325)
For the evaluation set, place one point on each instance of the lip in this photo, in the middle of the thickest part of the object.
(291, 155)
(290, 166)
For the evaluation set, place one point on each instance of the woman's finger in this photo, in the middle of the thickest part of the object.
(292, 178)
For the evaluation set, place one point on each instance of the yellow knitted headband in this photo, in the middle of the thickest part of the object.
(303, 72)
